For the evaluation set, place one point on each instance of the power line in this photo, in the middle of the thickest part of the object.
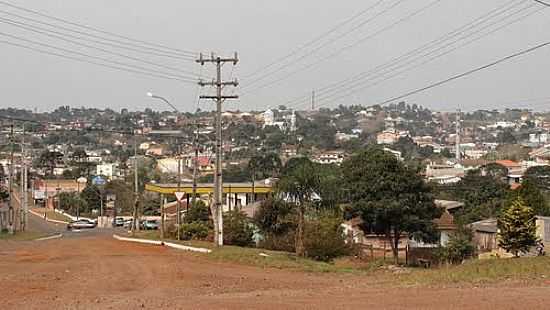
(340, 50)
(315, 50)
(315, 40)
(182, 78)
(48, 33)
(110, 42)
(144, 73)
(471, 25)
(83, 26)
(414, 56)
(458, 76)
(353, 89)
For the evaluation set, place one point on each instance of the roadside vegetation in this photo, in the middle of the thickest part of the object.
(21, 236)
(52, 215)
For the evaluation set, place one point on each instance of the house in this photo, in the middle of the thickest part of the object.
(235, 195)
(109, 170)
(387, 137)
(46, 191)
(329, 158)
(486, 233)
(444, 173)
(157, 150)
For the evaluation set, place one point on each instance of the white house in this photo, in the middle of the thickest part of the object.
(109, 170)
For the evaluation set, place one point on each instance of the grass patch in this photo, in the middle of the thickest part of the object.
(269, 259)
(482, 271)
(22, 236)
(52, 215)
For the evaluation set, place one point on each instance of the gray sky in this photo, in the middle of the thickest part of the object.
(264, 31)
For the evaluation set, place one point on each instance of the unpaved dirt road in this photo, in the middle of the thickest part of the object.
(98, 272)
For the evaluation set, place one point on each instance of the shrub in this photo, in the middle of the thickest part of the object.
(237, 229)
(458, 248)
(194, 231)
(324, 238)
(199, 212)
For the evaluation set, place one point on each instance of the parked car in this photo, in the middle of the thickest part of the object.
(81, 224)
(119, 222)
(128, 224)
(150, 225)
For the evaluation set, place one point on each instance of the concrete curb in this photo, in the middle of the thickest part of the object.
(50, 237)
(47, 219)
(168, 244)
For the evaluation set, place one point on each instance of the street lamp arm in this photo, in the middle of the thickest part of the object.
(165, 101)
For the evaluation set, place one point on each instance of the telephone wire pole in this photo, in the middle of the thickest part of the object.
(219, 98)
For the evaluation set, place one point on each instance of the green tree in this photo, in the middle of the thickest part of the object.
(496, 171)
(49, 160)
(533, 197)
(391, 198)
(299, 184)
(91, 195)
(237, 229)
(539, 176)
(483, 196)
(276, 220)
(518, 228)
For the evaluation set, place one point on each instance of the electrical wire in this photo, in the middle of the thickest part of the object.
(350, 89)
(144, 73)
(343, 86)
(48, 33)
(316, 39)
(190, 53)
(108, 41)
(95, 57)
(467, 73)
(339, 51)
(459, 31)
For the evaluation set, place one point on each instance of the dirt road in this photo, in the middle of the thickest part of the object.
(101, 273)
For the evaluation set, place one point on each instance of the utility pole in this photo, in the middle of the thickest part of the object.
(178, 200)
(135, 225)
(313, 100)
(217, 210)
(11, 213)
(195, 164)
(23, 184)
(458, 155)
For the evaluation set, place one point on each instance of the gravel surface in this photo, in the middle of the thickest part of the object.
(98, 272)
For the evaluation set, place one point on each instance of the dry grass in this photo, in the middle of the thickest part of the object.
(52, 215)
(483, 271)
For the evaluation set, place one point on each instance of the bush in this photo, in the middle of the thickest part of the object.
(237, 229)
(194, 231)
(199, 212)
(458, 248)
(324, 238)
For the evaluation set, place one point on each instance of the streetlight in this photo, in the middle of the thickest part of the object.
(150, 94)
(178, 206)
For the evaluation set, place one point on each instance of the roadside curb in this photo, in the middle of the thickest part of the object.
(50, 237)
(161, 243)
(47, 219)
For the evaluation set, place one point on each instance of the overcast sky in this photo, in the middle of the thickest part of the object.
(264, 32)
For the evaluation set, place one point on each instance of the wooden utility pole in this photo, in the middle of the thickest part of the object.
(178, 199)
(217, 208)
(195, 164)
(11, 213)
(458, 155)
(135, 225)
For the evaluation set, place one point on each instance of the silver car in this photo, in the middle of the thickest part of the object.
(81, 224)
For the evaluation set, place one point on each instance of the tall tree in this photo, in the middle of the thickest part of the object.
(539, 176)
(391, 198)
(533, 197)
(299, 184)
(518, 228)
